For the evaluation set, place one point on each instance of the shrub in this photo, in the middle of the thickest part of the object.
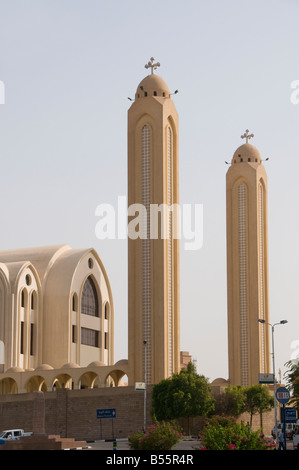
(159, 436)
(222, 433)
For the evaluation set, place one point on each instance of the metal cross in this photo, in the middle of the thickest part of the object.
(152, 65)
(247, 136)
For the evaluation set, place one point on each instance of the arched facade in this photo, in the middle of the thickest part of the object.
(45, 378)
(56, 308)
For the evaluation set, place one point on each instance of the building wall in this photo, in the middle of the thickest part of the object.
(71, 413)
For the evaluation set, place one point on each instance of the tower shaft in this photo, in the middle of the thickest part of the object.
(153, 255)
(247, 267)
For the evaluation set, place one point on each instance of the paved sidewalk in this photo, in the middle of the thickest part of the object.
(184, 444)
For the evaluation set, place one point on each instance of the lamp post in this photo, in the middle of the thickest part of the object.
(282, 322)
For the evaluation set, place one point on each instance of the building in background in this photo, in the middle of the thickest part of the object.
(247, 266)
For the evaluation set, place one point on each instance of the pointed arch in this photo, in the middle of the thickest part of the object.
(89, 298)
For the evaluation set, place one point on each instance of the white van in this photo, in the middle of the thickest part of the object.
(296, 438)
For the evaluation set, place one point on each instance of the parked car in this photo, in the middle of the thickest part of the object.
(13, 435)
(296, 438)
(290, 429)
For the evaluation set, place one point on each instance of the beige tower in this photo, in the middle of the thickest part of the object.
(153, 254)
(247, 266)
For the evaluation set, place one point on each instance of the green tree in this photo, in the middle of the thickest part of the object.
(183, 395)
(258, 400)
(234, 400)
(292, 381)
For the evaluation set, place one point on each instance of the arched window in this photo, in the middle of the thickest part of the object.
(89, 301)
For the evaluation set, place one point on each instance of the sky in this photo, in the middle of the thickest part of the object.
(68, 68)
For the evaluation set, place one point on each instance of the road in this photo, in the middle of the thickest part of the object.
(124, 445)
(184, 445)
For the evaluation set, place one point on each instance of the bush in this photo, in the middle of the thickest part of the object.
(159, 436)
(222, 433)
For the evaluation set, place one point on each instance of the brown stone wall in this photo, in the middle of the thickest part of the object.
(16, 411)
(72, 413)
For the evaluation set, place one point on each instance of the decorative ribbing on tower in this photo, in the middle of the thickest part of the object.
(146, 250)
(170, 268)
(261, 270)
(242, 209)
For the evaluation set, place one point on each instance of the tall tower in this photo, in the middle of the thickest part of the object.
(153, 255)
(247, 266)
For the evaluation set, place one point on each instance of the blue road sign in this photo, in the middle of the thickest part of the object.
(288, 414)
(106, 413)
(283, 395)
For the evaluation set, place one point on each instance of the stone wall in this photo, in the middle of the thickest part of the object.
(73, 413)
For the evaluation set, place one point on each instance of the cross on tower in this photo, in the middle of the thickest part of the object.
(247, 136)
(152, 65)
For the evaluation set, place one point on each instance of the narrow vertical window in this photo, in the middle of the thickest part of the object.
(74, 302)
(242, 209)
(106, 311)
(22, 338)
(74, 338)
(31, 339)
(146, 248)
(261, 272)
(170, 249)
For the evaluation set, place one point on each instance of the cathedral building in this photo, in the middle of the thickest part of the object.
(56, 310)
(153, 257)
(247, 266)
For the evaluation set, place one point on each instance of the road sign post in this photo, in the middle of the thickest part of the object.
(106, 413)
(283, 396)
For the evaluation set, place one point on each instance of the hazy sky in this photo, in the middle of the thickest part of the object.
(68, 67)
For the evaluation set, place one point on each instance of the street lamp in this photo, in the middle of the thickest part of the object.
(282, 322)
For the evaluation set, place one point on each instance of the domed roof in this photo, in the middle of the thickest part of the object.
(15, 369)
(44, 367)
(122, 362)
(97, 364)
(219, 381)
(153, 85)
(247, 153)
(70, 365)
